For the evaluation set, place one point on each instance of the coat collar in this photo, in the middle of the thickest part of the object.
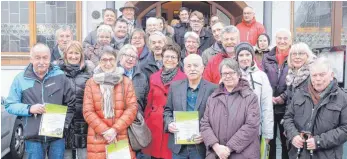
(242, 88)
(29, 72)
(253, 21)
(183, 87)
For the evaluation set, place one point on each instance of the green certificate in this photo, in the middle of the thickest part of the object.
(264, 149)
(119, 150)
(187, 124)
(52, 122)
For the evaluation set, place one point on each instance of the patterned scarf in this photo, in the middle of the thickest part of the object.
(107, 81)
(295, 78)
(168, 74)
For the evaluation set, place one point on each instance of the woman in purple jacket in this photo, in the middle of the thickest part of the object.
(230, 125)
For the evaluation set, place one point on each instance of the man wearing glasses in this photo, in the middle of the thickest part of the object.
(196, 22)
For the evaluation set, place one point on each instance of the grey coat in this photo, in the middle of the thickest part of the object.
(177, 101)
(210, 52)
(327, 121)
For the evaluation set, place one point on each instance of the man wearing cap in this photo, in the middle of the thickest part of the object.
(181, 28)
(128, 13)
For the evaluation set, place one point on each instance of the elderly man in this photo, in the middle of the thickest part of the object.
(38, 84)
(230, 37)
(196, 22)
(316, 120)
(128, 13)
(63, 37)
(120, 33)
(152, 25)
(249, 28)
(181, 28)
(190, 94)
(109, 18)
(276, 68)
(154, 61)
(217, 46)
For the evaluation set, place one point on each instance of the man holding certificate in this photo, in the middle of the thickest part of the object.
(31, 91)
(184, 109)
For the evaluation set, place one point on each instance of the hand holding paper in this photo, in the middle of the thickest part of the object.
(37, 109)
(172, 127)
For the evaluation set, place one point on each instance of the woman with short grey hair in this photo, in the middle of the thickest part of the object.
(191, 44)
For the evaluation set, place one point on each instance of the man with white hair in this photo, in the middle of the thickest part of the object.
(38, 84)
(317, 116)
(249, 28)
(152, 25)
(195, 91)
(275, 66)
(63, 36)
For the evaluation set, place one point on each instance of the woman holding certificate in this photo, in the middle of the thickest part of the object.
(156, 101)
(230, 125)
(109, 107)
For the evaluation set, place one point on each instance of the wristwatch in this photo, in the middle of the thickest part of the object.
(318, 142)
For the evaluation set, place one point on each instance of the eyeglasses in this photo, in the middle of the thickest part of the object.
(137, 38)
(229, 74)
(105, 60)
(130, 56)
(299, 54)
(195, 21)
(247, 13)
(170, 57)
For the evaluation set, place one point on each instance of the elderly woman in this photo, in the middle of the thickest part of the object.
(262, 47)
(316, 119)
(260, 85)
(104, 37)
(230, 125)
(156, 101)
(191, 44)
(275, 66)
(299, 58)
(137, 39)
(78, 72)
(109, 106)
(164, 27)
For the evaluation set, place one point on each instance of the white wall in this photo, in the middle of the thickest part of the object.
(7, 75)
(280, 17)
(89, 23)
(258, 7)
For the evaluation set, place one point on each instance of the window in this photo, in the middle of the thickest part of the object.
(224, 18)
(344, 24)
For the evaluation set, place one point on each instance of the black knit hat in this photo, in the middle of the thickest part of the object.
(244, 46)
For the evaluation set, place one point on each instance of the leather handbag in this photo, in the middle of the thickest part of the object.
(138, 132)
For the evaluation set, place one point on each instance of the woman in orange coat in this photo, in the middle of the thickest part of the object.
(109, 106)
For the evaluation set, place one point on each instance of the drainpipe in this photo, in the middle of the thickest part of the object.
(268, 17)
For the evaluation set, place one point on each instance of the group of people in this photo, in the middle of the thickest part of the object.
(243, 90)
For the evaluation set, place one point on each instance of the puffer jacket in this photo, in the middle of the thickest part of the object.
(260, 85)
(210, 52)
(77, 135)
(232, 119)
(277, 77)
(249, 32)
(27, 90)
(327, 121)
(125, 109)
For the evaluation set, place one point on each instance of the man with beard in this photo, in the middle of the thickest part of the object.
(63, 37)
(181, 28)
(154, 61)
(120, 33)
(128, 13)
(196, 22)
(230, 37)
(217, 46)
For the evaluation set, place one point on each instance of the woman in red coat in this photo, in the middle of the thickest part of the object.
(156, 100)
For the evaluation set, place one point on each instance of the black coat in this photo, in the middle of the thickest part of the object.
(141, 86)
(327, 121)
(180, 30)
(77, 136)
(206, 39)
(148, 66)
(55, 55)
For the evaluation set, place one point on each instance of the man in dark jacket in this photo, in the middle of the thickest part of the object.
(128, 13)
(38, 84)
(196, 22)
(320, 112)
(120, 34)
(181, 28)
(217, 46)
(63, 36)
(190, 94)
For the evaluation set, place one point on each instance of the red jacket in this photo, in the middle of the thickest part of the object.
(249, 32)
(211, 72)
(153, 114)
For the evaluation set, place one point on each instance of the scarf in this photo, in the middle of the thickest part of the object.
(119, 42)
(281, 56)
(295, 78)
(168, 74)
(107, 81)
(316, 96)
(72, 69)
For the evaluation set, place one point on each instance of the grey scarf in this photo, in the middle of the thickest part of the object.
(168, 74)
(107, 81)
(295, 78)
(119, 42)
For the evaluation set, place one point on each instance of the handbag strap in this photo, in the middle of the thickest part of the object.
(124, 101)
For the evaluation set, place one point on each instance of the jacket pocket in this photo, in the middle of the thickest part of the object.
(331, 112)
(298, 107)
(52, 91)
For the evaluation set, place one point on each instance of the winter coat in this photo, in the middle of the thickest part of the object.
(177, 101)
(210, 52)
(144, 54)
(260, 85)
(289, 93)
(141, 87)
(206, 39)
(148, 66)
(154, 111)
(93, 53)
(77, 135)
(179, 31)
(232, 119)
(249, 32)
(277, 77)
(124, 115)
(55, 54)
(27, 90)
(211, 72)
(327, 121)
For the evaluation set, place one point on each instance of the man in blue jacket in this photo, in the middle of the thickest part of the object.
(38, 84)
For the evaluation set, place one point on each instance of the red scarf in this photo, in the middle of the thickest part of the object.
(139, 51)
(281, 56)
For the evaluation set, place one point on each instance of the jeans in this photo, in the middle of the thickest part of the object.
(38, 150)
(344, 155)
(140, 155)
(188, 152)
